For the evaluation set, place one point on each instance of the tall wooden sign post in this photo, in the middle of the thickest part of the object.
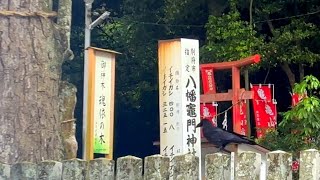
(179, 96)
(100, 107)
(234, 95)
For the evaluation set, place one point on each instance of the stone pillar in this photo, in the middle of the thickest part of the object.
(186, 167)
(309, 165)
(74, 169)
(248, 166)
(129, 168)
(279, 165)
(24, 170)
(100, 169)
(49, 170)
(4, 171)
(217, 166)
(156, 167)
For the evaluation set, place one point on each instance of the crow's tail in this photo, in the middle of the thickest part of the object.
(251, 142)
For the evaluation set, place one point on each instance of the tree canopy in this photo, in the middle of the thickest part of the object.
(285, 33)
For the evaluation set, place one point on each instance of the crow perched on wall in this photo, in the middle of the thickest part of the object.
(221, 138)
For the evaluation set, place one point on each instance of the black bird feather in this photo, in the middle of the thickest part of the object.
(221, 138)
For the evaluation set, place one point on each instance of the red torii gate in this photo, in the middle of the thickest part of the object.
(233, 94)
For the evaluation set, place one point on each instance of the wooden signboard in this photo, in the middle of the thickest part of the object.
(179, 93)
(100, 112)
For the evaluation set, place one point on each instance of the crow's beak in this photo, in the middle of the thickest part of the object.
(199, 125)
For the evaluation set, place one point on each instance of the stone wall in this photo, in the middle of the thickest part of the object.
(217, 167)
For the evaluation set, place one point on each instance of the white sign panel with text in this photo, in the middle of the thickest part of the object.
(179, 97)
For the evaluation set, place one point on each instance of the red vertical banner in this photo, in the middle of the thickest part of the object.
(296, 98)
(208, 82)
(243, 118)
(265, 113)
(209, 111)
(257, 113)
(262, 92)
(271, 111)
(265, 109)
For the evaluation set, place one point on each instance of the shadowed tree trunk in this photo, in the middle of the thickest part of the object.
(32, 50)
(285, 66)
(291, 77)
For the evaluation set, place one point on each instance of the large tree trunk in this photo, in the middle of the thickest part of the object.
(285, 66)
(301, 72)
(291, 77)
(32, 50)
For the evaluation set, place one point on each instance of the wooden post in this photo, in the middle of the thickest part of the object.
(90, 106)
(179, 97)
(100, 103)
(236, 99)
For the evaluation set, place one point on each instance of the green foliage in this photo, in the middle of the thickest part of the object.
(229, 38)
(288, 39)
(135, 64)
(136, 67)
(135, 33)
(183, 10)
(174, 8)
(290, 44)
(264, 8)
(300, 127)
(179, 14)
(137, 25)
(279, 39)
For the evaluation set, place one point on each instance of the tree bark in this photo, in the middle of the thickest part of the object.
(32, 50)
(286, 68)
(301, 72)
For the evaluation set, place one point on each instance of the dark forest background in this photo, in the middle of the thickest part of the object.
(285, 33)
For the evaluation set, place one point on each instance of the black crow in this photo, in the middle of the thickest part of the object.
(221, 138)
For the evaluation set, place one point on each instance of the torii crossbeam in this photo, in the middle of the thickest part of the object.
(235, 94)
